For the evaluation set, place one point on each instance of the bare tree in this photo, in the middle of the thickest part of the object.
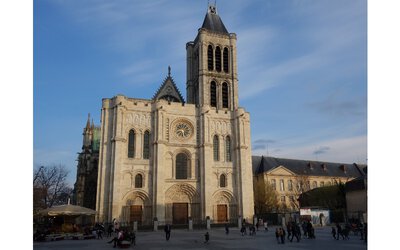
(49, 186)
(302, 184)
(266, 197)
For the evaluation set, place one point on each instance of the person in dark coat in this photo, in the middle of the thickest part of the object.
(167, 230)
(226, 228)
(295, 232)
(283, 233)
(339, 230)
(207, 237)
(333, 232)
(277, 235)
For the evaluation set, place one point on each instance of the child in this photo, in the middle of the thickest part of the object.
(207, 237)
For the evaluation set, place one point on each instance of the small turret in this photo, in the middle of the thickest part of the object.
(86, 134)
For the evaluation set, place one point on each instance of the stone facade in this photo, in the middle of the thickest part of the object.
(290, 178)
(177, 161)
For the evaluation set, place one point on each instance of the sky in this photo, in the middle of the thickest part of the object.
(49, 50)
(302, 69)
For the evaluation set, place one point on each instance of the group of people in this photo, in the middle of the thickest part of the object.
(123, 235)
(343, 232)
(293, 230)
(120, 235)
(308, 230)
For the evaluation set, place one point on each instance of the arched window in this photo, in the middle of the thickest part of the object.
(146, 145)
(222, 180)
(290, 185)
(218, 59)
(210, 58)
(138, 181)
(213, 94)
(131, 144)
(228, 156)
(225, 95)
(216, 148)
(321, 184)
(181, 166)
(282, 185)
(314, 184)
(273, 184)
(226, 60)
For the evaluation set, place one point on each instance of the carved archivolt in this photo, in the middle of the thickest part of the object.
(136, 198)
(223, 197)
(181, 192)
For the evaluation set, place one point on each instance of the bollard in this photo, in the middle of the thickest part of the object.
(190, 224)
(155, 227)
(135, 226)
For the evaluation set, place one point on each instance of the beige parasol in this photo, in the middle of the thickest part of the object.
(67, 210)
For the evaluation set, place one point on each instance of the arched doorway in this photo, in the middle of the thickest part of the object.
(182, 202)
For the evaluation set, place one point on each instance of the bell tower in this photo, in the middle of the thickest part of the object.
(211, 65)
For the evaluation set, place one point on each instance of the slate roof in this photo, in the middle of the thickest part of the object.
(262, 164)
(213, 22)
(168, 90)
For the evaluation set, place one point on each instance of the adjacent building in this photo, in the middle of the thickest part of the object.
(289, 178)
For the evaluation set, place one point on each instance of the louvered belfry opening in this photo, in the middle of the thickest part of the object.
(225, 95)
(226, 60)
(218, 59)
(213, 94)
(210, 57)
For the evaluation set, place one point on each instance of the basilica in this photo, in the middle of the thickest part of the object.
(173, 160)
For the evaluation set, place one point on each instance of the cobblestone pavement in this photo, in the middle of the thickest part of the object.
(194, 240)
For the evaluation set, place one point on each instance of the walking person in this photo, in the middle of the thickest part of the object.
(289, 229)
(339, 231)
(333, 232)
(296, 232)
(266, 226)
(99, 233)
(226, 228)
(207, 238)
(282, 234)
(277, 235)
(132, 235)
(109, 230)
(167, 230)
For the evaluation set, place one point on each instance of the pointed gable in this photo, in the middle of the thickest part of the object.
(168, 90)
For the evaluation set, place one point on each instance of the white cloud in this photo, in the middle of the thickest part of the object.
(342, 150)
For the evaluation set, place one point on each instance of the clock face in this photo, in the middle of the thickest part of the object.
(183, 130)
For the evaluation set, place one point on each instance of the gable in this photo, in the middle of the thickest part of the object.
(281, 170)
(169, 91)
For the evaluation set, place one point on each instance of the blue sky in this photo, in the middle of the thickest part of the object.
(302, 68)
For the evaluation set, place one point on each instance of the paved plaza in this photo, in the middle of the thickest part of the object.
(194, 240)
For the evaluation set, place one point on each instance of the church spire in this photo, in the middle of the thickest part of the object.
(88, 122)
